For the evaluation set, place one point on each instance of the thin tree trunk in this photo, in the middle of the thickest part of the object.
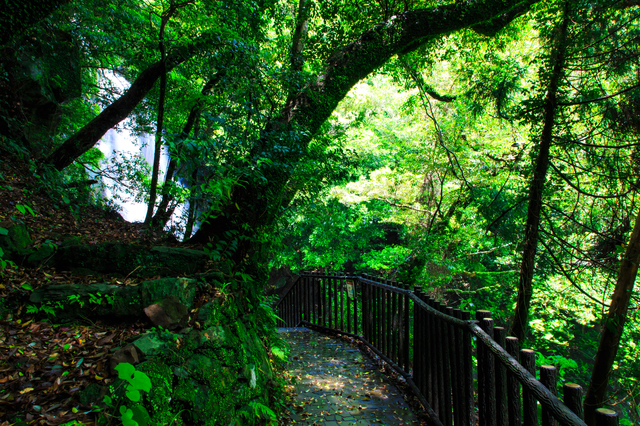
(162, 216)
(160, 120)
(614, 326)
(525, 290)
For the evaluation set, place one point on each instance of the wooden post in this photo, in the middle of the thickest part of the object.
(606, 417)
(446, 370)
(481, 361)
(454, 349)
(407, 330)
(489, 378)
(513, 385)
(463, 410)
(394, 327)
(573, 398)
(549, 378)
(529, 403)
(419, 337)
(438, 401)
(500, 335)
(468, 371)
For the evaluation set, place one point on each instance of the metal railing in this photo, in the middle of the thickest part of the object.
(432, 347)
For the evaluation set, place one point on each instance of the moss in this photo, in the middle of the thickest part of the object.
(158, 400)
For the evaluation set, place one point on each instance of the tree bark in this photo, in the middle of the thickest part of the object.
(255, 203)
(120, 109)
(160, 119)
(614, 326)
(162, 216)
(536, 188)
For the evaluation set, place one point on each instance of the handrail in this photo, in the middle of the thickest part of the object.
(384, 314)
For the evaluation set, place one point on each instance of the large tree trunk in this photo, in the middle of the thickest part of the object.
(525, 290)
(255, 203)
(120, 109)
(614, 326)
(16, 16)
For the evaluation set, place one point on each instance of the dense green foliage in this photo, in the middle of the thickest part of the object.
(385, 148)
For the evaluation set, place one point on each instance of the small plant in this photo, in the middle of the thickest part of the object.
(24, 208)
(135, 381)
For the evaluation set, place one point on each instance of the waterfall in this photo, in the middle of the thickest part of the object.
(124, 141)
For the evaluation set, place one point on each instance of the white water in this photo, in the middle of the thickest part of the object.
(123, 140)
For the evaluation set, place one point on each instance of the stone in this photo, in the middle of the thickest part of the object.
(169, 313)
(15, 243)
(151, 344)
(126, 354)
(130, 259)
(184, 289)
(92, 394)
(40, 256)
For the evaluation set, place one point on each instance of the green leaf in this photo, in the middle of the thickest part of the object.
(27, 286)
(141, 415)
(141, 381)
(125, 371)
(133, 394)
(4, 231)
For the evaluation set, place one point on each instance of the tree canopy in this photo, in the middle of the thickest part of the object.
(489, 147)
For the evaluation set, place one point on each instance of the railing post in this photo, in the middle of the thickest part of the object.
(454, 349)
(357, 295)
(529, 403)
(418, 346)
(573, 398)
(463, 411)
(394, 327)
(489, 377)
(549, 378)
(389, 321)
(407, 330)
(606, 417)
(481, 361)
(500, 335)
(468, 371)
(513, 385)
(439, 356)
(446, 368)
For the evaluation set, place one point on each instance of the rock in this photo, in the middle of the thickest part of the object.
(130, 259)
(40, 256)
(117, 301)
(15, 243)
(152, 344)
(184, 289)
(169, 313)
(127, 354)
(92, 394)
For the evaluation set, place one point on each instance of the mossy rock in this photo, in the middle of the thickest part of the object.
(131, 259)
(15, 243)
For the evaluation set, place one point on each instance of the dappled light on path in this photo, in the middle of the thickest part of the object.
(336, 385)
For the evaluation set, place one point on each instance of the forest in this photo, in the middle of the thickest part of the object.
(484, 150)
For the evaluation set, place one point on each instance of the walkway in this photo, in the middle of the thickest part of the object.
(336, 385)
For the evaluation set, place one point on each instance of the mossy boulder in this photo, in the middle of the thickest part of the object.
(16, 241)
(130, 259)
(206, 377)
(104, 299)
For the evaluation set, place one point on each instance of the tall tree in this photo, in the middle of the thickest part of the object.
(536, 189)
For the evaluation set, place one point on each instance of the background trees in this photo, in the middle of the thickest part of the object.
(458, 146)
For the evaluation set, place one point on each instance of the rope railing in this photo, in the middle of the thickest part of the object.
(431, 346)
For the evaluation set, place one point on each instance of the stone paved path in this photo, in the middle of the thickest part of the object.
(336, 385)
